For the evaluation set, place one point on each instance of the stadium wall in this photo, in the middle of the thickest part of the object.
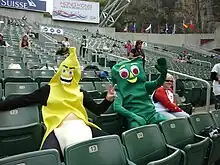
(33, 16)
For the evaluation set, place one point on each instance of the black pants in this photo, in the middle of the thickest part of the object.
(51, 141)
(217, 102)
(82, 50)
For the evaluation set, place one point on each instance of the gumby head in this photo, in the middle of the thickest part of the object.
(128, 73)
(69, 72)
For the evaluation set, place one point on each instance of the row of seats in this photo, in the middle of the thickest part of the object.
(96, 89)
(173, 142)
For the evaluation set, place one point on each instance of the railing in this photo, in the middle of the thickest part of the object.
(202, 62)
(193, 78)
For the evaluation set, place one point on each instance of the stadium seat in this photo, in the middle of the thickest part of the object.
(44, 157)
(178, 133)
(20, 131)
(43, 84)
(146, 146)
(17, 75)
(106, 150)
(201, 121)
(102, 87)
(89, 76)
(13, 88)
(109, 123)
(42, 75)
(89, 87)
(216, 117)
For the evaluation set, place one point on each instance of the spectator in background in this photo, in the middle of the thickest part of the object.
(3, 43)
(63, 51)
(128, 46)
(137, 51)
(82, 50)
(66, 42)
(215, 76)
(24, 42)
(164, 100)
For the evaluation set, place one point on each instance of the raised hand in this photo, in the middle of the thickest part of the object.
(111, 93)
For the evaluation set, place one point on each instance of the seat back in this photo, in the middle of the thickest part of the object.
(16, 73)
(109, 123)
(177, 132)
(144, 144)
(88, 86)
(42, 73)
(19, 117)
(200, 121)
(20, 88)
(216, 116)
(106, 150)
(44, 157)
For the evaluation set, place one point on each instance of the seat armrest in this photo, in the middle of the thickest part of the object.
(175, 156)
(173, 149)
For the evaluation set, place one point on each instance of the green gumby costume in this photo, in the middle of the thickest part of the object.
(133, 100)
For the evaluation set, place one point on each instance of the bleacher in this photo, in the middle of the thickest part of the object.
(172, 142)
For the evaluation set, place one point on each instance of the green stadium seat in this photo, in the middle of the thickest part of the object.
(12, 88)
(89, 87)
(44, 157)
(146, 146)
(109, 123)
(106, 150)
(42, 75)
(89, 76)
(20, 131)
(178, 133)
(199, 122)
(216, 117)
(17, 75)
(43, 84)
(102, 87)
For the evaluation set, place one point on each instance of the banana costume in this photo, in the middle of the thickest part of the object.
(60, 99)
(65, 96)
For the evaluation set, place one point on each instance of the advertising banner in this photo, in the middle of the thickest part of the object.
(79, 11)
(51, 30)
(37, 5)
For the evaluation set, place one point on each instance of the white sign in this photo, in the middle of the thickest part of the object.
(51, 30)
(79, 11)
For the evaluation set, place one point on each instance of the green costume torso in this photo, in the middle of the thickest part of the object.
(133, 100)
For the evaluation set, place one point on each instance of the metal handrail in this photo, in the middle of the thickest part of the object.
(193, 78)
(205, 62)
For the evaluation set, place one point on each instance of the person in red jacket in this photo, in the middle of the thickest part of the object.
(165, 102)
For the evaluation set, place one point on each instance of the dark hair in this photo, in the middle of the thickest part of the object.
(66, 38)
(84, 36)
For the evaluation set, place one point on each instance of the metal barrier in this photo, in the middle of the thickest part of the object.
(202, 62)
(193, 78)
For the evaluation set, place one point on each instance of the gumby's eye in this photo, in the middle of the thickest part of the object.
(124, 73)
(135, 70)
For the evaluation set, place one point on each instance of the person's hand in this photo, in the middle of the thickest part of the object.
(140, 120)
(111, 93)
(161, 65)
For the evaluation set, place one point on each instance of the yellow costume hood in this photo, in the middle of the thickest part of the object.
(65, 96)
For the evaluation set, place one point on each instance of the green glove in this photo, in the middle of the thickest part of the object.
(161, 66)
(140, 120)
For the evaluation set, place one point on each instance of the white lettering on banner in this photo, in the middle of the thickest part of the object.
(72, 10)
(16, 4)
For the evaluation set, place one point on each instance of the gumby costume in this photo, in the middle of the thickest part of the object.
(133, 100)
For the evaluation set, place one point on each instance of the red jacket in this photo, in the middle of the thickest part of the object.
(161, 96)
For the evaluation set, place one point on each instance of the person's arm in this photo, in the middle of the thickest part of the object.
(92, 106)
(161, 97)
(214, 73)
(37, 97)
(162, 68)
(20, 42)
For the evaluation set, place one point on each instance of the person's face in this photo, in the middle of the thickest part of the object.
(25, 38)
(1, 38)
(139, 46)
(168, 83)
